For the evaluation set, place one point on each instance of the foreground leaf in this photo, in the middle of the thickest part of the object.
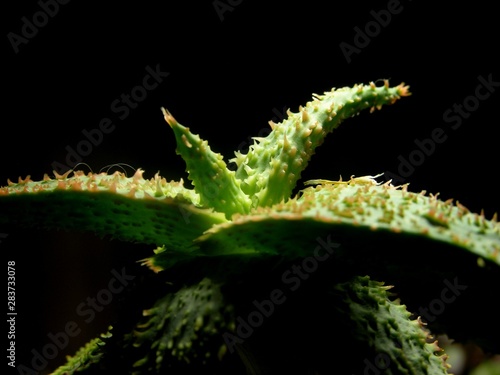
(131, 209)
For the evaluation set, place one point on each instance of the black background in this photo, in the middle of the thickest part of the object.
(227, 78)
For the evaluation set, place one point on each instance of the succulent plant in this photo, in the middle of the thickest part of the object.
(254, 278)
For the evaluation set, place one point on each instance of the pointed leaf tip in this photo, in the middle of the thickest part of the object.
(168, 117)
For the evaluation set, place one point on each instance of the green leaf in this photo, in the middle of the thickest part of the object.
(355, 211)
(85, 358)
(399, 345)
(273, 165)
(213, 181)
(129, 209)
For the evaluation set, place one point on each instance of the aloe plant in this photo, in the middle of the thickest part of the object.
(354, 276)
